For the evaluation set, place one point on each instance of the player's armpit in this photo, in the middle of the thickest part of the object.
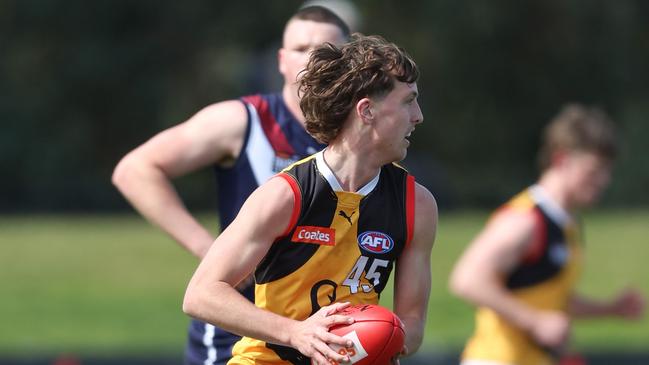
(262, 218)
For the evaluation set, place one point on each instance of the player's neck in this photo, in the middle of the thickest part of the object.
(352, 170)
(553, 184)
(293, 103)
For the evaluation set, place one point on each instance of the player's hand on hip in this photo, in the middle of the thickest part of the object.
(551, 329)
(311, 336)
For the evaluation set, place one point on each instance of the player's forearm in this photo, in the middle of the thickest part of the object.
(151, 193)
(221, 305)
(582, 307)
(485, 293)
(411, 304)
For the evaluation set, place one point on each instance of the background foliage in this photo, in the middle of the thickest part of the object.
(85, 82)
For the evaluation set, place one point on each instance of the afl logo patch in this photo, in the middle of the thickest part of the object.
(375, 242)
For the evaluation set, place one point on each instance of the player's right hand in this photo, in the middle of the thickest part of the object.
(311, 336)
(551, 329)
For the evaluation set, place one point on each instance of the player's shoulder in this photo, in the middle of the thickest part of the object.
(517, 216)
(426, 216)
(222, 122)
(228, 108)
(279, 196)
(425, 199)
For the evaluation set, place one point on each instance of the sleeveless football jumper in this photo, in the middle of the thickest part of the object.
(274, 139)
(340, 247)
(544, 280)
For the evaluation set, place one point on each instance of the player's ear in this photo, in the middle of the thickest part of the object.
(364, 110)
(558, 158)
(280, 61)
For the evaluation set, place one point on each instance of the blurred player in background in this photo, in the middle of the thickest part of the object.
(522, 268)
(247, 141)
(329, 229)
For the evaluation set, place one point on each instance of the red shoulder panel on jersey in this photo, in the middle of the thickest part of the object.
(297, 204)
(539, 239)
(270, 126)
(410, 208)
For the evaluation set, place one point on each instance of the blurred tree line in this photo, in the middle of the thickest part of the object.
(84, 82)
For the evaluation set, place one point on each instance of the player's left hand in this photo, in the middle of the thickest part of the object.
(312, 337)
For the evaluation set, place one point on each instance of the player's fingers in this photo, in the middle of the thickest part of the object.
(319, 359)
(337, 319)
(335, 307)
(404, 351)
(330, 353)
(333, 339)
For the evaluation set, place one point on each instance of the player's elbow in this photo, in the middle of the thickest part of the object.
(121, 173)
(127, 172)
(460, 284)
(191, 303)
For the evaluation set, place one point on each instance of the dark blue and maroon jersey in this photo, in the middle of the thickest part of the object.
(274, 139)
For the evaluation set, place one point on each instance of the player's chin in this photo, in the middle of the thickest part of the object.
(402, 155)
(588, 198)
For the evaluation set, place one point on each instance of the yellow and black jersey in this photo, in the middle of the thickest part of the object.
(340, 247)
(544, 279)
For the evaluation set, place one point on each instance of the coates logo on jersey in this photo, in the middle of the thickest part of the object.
(375, 242)
(318, 235)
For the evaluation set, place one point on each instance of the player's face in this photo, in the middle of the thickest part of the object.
(586, 175)
(397, 115)
(300, 38)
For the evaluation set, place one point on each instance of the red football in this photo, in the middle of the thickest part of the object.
(377, 334)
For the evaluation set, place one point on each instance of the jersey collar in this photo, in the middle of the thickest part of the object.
(551, 207)
(333, 181)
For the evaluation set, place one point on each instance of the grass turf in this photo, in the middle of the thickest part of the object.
(97, 284)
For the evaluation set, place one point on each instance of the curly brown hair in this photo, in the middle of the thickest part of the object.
(336, 78)
(578, 128)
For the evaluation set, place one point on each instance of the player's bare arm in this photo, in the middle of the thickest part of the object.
(413, 271)
(211, 296)
(477, 277)
(628, 304)
(213, 135)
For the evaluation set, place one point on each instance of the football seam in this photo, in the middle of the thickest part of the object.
(385, 347)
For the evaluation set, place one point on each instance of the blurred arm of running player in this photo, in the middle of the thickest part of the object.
(478, 276)
(413, 271)
(628, 304)
(213, 136)
(211, 296)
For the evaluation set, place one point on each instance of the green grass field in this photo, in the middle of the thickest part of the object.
(105, 285)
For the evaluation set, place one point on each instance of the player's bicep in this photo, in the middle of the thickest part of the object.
(495, 251)
(213, 135)
(505, 240)
(413, 272)
(263, 217)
